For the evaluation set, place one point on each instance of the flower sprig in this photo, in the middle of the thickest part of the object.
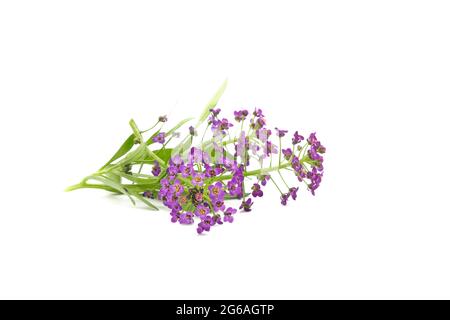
(195, 177)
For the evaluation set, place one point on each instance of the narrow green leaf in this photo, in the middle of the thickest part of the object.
(138, 178)
(124, 148)
(164, 154)
(112, 184)
(178, 126)
(212, 104)
(183, 146)
(147, 202)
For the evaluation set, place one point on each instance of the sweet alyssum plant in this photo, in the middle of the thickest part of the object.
(196, 176)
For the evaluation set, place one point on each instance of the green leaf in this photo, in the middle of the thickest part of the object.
(178, 126)
(164, 154)
(212, 104)
(138, 178)
(112, 184)
(147, 202)
(183, 146)
(124, 148)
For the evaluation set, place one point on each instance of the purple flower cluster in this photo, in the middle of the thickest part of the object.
(188, 190)
(219, 125)
(196, 187)
(313, 158)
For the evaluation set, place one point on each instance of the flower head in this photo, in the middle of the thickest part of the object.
(293, 193)
(287, 153)
(192, 131)
(187, 218)
(228, 214)
(159, 138)
(258, 113)
(297, 138)
(246, 205)
(198, 179)
(202, 211)
(240, 116)
(156, 170)
(284, 198)
(264, 179)
(177, 188)
(216, 191)
(148, 194)
(281, 133)
(205, 224)
(257, 192)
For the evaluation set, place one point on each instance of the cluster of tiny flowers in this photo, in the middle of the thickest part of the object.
(189, 190)
(195, 188)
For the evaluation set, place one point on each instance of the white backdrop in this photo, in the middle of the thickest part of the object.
(371, 77)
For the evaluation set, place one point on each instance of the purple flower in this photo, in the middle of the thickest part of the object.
(174, 216)
(218, 204)
(228, 215)
(212, 171)
(159, 138)
(196, 155)
(264, 179)
(177, 189)
(293, 193)
(297, 138)
(261, 122)
(263, 134)
(257, 192)
(192, 131)
(258, 113)
(287, 153)
(176, 161)
(172, 171)
(165, 185)
(315, 177)
(187, 170)
(313, 155)
(215, 112)
(312, 139)
(284, 198)
(246, 205)
(240, 115)
(281, 133)
(234, 188)
(197, 179)
(216, 191)
(296, 165)
(156, 170)
(202, 211)
(187, 218)
(271, 148)
(205, 224)
(218, 219)
(196, 195)
(221, 125)
(148, 194)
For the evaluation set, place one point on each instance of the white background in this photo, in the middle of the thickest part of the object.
(371, 77)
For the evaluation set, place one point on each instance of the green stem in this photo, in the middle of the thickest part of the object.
(276, 185)
(282, 178)
(279, 151)
(90, 186)
(150, 128)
